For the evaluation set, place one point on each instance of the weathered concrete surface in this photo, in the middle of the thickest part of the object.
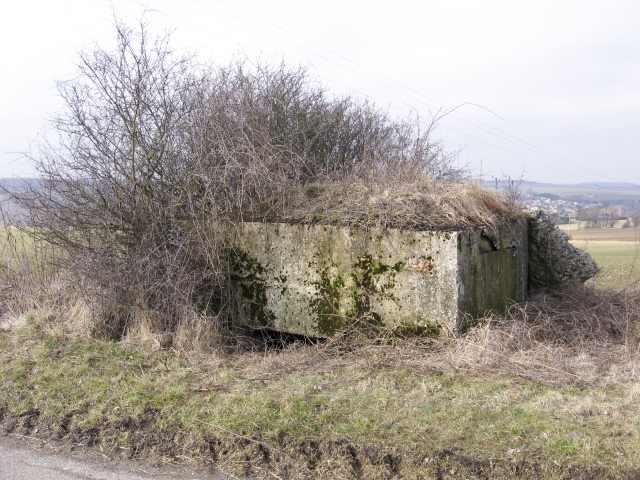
(553, 261)
(314, 280)
(493, 269)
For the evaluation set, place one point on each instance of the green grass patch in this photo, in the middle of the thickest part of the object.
(410, 412)
(619, 263)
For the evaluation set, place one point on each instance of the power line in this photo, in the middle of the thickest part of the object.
(472, 121)
(452, 112)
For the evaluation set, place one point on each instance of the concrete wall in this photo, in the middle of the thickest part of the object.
(314, 280)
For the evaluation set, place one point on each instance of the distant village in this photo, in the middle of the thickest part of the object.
(597, 213)
(555, 205)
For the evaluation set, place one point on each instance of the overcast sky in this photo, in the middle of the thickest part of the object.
(550, 90)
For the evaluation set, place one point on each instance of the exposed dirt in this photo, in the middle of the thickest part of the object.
(285, 458)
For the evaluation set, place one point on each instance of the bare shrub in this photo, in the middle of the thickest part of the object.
(156, 154)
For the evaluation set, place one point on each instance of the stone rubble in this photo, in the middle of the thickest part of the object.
(553, 261)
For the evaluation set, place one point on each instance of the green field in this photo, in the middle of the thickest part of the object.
(615, 250)
(619, 263)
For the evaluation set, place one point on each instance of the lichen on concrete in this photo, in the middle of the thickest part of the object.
(316, 280)
(247, 277)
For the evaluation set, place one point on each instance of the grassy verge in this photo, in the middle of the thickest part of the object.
(368, 409)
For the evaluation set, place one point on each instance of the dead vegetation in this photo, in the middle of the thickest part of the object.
(393, 201)
(122, 240)
(578, 335)
(355, 406)
(156, 153)
(563, 364)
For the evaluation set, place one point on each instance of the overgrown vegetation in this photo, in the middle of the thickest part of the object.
(156, 155)
(548, 391)
(114, 294)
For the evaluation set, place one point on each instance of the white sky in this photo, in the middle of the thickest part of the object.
(552, 87)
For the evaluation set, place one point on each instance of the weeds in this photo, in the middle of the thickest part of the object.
(550, 386)
(581, 335)
(398, 201)
(514, 391)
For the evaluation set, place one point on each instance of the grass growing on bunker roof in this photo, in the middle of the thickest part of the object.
(419, 203)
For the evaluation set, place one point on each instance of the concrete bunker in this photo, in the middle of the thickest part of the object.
(315, 279)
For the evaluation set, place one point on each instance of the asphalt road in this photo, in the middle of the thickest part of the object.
(24, 459)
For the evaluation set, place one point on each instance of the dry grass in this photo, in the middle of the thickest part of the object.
(551, 385)
(527, 386)
(31, 286)
(393, 201)
(580, 335)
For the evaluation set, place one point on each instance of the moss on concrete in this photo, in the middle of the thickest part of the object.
(315, 280)
(247, 276)
(326, 305)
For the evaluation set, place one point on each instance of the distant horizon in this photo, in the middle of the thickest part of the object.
(487, 182)
(528, 89)
(585, 183)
